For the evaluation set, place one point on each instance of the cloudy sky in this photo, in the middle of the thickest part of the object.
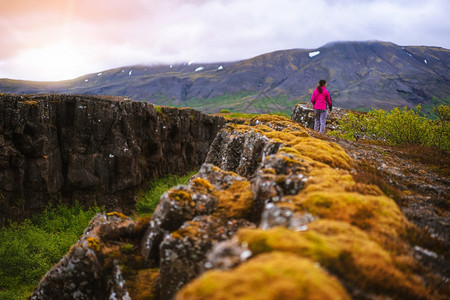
(63, 39)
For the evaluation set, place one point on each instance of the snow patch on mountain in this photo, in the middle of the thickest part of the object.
(314, 53)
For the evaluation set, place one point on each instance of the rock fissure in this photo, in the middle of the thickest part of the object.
(92, 149)
(268, 215)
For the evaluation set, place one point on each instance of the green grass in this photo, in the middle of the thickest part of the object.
(28, 250)
(228, 100)
(242, 101)
(428, 109)
(149, 199)
(242, 115)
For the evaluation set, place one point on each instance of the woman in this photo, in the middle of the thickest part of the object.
(320, 98)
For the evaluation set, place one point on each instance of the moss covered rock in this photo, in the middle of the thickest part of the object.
(270, 276)
(273, 214)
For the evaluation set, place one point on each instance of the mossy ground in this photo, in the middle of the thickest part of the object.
(270, 276)
(235, 201)
(344, 250)
(360, 234)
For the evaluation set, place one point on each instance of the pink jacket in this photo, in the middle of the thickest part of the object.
(320, 99)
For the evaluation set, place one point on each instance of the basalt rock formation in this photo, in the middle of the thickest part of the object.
(275, 212)
(92, 149)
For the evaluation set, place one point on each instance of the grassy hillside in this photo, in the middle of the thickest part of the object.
(360, 75)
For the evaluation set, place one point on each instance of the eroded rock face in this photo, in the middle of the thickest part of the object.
(294, 223)
(92, 149)
(91, 269)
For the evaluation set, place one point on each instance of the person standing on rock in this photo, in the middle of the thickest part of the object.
(320, 98)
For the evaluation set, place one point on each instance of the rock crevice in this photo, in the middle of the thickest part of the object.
(272, 213)
(92, 149)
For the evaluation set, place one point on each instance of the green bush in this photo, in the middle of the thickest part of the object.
(398, 127)
(441, 127)
(28, 250)
(225, 111)
(148, 200)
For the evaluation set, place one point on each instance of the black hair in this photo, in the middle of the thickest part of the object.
(322, 83)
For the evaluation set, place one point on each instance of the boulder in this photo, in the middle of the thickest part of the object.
(303, 113)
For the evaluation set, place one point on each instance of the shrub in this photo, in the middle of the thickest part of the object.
(149, 199)
(398, 127)
(28, 250)
(441, 127)
(225, 111)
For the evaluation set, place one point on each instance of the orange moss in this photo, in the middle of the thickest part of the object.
(181, 196)
(278, 122)
(143, 285)
(142, 223)
(335, 180)
(237, 128)
(235, 201)
(289, 150)
(117, 214)
(264, 118)
(30, 102)
(201, 185)
(280, 136)
(360, 235)
(93, 243)
(322, 151)
(378, 215)
(260, 128)
(270, 276)
(344, 250)
(268, 171)
(334, 194)
(300, 144)
(189, 229)
(296, 129)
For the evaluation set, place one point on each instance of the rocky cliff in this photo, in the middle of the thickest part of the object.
(92, 149)
(275, 212)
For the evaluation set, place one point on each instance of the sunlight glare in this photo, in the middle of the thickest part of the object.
(57, 61)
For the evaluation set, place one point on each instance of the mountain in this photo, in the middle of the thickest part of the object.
(360, 75)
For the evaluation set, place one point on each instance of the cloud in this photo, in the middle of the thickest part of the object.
(75, 37)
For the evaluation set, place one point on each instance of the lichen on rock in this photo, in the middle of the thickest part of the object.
(273, 213)
(350, 228)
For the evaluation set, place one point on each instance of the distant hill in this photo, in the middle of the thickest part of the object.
(360, 75)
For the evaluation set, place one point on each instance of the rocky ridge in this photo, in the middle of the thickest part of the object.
(275, 211)
(92, 149)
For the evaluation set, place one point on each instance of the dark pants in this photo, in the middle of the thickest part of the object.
(320, 118)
